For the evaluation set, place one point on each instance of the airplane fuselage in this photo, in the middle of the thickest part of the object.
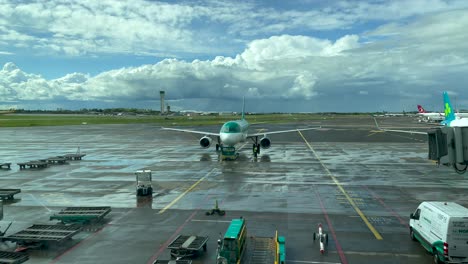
(463, 122)
(234, 132)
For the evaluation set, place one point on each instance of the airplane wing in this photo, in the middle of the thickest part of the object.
(192, 131)
(281, 131)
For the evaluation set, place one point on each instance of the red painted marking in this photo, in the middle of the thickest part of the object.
(390, 210)
(77, 245)
(21, 249)
(163, 247)
(332, 230)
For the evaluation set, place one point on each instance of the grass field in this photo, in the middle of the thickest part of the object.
(21, 120)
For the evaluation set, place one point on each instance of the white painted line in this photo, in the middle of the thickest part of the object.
(39, 202)
(243, 145)
(312, 262)
(184, 193)
(380, 254)
(120, 217)
(211, 221)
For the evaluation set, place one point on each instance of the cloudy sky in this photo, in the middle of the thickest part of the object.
(283, 56)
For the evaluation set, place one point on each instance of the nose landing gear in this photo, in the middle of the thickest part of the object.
(255, 147)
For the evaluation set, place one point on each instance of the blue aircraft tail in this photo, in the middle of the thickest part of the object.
(448, 109)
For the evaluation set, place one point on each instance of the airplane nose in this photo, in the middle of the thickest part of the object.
(226, 139)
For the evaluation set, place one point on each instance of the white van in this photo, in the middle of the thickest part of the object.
(442, 228)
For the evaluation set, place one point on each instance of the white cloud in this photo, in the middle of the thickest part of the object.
(172, 29)
(427, 55)
(80, 27)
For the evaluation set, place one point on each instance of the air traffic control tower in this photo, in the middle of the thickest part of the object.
(161, 95)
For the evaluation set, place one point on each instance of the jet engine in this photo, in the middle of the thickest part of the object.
(265, 143)
(205, 142)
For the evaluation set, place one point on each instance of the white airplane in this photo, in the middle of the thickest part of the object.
(234, 132)
(437, 116)
(451, 120)
(426, 116)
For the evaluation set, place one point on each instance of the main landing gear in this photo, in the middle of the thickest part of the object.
(255, 147)
(218, 145)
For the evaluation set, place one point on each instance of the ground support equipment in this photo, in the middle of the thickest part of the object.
(73, 156)
(173, 262)
(81, 215)
(33, 164)
(216, 210)
(7, 257)
(187, 246)
(37, 236)
(322, 237)
(7, 194)
(228, 153)
(7, 165)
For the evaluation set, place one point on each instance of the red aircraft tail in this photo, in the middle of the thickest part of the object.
(421, 109)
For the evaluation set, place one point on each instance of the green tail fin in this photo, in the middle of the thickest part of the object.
(448, 109)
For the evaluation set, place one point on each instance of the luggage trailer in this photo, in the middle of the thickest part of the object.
(81, 215)
(187, 246)
(7, 194)
(13, 257)
(5, 165)
(172, 262)
(39, 236)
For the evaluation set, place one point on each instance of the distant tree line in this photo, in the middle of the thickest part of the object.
(115, 111)
(97, 111)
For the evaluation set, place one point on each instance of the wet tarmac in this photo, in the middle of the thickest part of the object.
(360, 183)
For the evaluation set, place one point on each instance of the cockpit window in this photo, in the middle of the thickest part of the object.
(231, 127)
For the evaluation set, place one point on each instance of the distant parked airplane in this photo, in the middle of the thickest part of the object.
(437, 116)
(450, 120)
(429, 116)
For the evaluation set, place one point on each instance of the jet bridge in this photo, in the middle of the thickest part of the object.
(449, 146)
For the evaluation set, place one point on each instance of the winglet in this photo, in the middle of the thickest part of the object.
(448, 109)
(243, 108)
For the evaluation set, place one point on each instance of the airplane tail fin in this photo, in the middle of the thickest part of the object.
(243, 108)
(448, 109)
(421, 109)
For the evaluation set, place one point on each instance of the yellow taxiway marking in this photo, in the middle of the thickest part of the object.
(350, 200)
(184, 193)
(373, 132)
